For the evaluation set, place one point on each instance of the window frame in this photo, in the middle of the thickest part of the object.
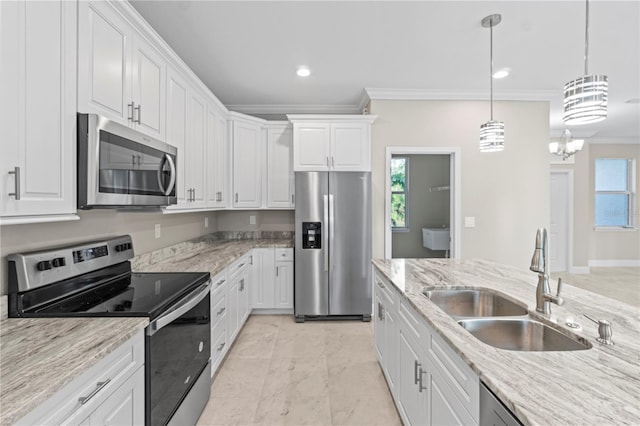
(630, 193)
(406, 227)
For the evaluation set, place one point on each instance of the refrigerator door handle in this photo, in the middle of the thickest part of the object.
(324, 232)
(331, 222)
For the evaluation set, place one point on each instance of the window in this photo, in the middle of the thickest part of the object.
(614, 192)
(399, 193)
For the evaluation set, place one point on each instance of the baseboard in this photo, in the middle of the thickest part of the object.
(272, 311)
(635, 263)
(579, 270)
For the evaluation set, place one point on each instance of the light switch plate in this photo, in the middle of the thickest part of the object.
(469, 222)
(252, 220)
(158, 230)
(206, 222)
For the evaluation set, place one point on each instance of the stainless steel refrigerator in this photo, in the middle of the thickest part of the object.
(333, 245)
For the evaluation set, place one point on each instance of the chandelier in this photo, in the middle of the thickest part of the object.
(567, 146)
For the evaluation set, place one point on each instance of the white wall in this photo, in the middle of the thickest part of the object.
(96, 224)
(265, 220)
(590, 244)
(506, 192)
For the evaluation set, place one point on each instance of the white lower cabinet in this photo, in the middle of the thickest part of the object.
(283, 289)
(431, 384)
(109, 393)
(272, 279)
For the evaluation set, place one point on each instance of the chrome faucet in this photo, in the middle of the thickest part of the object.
(540, 264)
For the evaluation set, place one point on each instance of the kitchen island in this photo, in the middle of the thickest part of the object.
(597, 386)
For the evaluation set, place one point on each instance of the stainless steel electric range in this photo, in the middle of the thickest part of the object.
(94, 279)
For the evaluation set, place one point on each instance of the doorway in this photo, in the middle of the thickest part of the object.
(561, 220)
(422, 202)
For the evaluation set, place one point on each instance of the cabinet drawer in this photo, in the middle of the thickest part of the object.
(238, 265)
(219, 345)
(462, 380)
(96, 385)
(284, 254)
(218, 285)
(384, 287)
(411, 321)
(218, 309)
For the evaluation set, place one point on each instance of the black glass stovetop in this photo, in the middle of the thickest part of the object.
(125, 294)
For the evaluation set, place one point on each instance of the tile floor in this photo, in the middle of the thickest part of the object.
(621, 284)
(317, 373)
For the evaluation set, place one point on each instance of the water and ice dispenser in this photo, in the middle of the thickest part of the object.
(312, 235)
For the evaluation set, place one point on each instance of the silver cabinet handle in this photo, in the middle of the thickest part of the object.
(240, 265)
(221, 311)
(219, 283)
(277, 271)
(221, 346)
(251, 260)
(236, 197)
(416, 365)
(242, 284)
(133, 159)
(16, 184)
(193, 194)
(380, 311)
(333, 161)
(380, 284)
(130, 108)
(421, 387)
(293, 199)
(83, 400)
(327, 161)
(139, 109)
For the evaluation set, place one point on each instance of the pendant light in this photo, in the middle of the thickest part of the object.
(491, 132)
(585, 98)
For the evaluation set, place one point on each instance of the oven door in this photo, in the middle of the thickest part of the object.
(178, 348)
(120, 167)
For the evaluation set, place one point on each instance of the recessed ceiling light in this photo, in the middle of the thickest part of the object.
(303, 71)
(501, 73)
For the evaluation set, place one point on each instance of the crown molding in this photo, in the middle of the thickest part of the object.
(296, 108)
(471, 95)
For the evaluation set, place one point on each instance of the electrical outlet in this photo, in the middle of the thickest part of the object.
(158, 230)
(206, 222)
(252, 220)
(469, 222)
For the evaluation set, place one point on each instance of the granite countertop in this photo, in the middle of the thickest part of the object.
(202, 255)
(39, 356)
(596, 386)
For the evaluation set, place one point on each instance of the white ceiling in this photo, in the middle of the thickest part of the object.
(247, 52)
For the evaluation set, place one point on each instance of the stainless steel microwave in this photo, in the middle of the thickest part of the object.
(119, 167)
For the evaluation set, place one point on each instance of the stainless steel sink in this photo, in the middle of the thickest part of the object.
(521, 334)
(474, 303)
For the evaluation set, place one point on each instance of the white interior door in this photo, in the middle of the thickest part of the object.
(561, 200)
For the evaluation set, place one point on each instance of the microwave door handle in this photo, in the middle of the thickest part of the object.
(188, 303)
(172, 181)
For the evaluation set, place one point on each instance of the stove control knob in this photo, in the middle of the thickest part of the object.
(58, 261)
(43, 265)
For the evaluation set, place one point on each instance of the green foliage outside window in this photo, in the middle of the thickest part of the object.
(399, 192)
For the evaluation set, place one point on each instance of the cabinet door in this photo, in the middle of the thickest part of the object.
(284, 285)
(149, 86)
(391, 336)
(411, 397)
(247, 165)
(232, 305)
(217, 158)
(311, 147)
(444, 407)
(244, 285)
(196, 149)
(125, 406)
(280, 168)
(379, 329)
(350, 147)
(262, 278)
(104, 62)
(38, 116)
(177, 130)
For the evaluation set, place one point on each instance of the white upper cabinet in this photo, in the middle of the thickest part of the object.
(280, 183)
(121, 76)
(217, 143)
(38, 116)
(196, 149)
(149, 85)
(248, 161)
(332, 142)
(177, 130)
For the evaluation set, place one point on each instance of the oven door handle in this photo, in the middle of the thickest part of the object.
(181, 308)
